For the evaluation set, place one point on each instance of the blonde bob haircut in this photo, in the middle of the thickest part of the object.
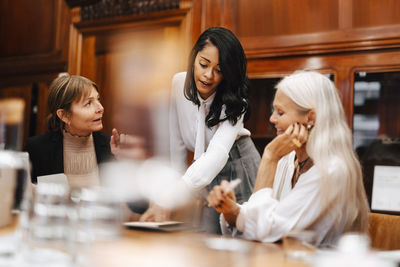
(330, 138)
(63, 91)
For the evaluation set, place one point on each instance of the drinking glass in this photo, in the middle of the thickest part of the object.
(14, 197)
(50, 234)
(99, 215)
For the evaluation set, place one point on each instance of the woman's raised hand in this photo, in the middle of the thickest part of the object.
(127, 146)
(295, 136)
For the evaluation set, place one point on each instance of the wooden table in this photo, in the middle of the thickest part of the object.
(186, 249)
(177, 249)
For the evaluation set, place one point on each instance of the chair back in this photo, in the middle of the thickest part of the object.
(384, 231)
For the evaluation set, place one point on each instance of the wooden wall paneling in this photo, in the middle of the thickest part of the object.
(345, 14)
(75, 44)
(42, 108)
(88, 57)
(34, 40)
(21, 21)
(132, 59)
(196, 12)
(371, 13)
(106, 90)
(276, 28)
(212, 13)
(285, 17)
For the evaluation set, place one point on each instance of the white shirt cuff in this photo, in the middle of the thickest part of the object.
(255, 197)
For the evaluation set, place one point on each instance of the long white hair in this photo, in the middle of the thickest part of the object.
(330, 138)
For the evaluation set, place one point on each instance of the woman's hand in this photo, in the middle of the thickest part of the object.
(224, 202)
(127, 146)
(155, 213)
(275, 150)
(293, 138)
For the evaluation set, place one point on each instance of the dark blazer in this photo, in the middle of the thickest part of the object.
(47, 157)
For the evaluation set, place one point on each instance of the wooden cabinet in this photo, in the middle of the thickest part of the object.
(33, 50)
(132, 59)
(333, 36)
(275, 28)
(34, 38)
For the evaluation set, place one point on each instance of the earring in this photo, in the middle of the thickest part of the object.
(309, 126)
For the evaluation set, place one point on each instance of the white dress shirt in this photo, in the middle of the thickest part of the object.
(187, 124)
(271, 213)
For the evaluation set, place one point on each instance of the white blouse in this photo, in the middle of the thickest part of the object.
(271, 213)
(212, 153)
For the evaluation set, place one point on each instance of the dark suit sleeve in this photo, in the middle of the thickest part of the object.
(46, 154)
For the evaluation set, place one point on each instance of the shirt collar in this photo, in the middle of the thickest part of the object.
(207, 101)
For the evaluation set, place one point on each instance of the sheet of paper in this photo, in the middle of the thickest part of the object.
(159, 226)
(59, 178)
(386, 188)
(152, 224)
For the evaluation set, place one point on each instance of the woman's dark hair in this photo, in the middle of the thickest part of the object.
(63, 91)
(233, 89)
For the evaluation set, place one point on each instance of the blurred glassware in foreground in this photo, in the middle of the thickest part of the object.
(99, 215)
(14, 199)
(14, 176)
(50, 232)
(11, 123)
(353, 250)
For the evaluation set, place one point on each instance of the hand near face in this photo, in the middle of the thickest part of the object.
(296, 134)
(127, 146)
(224, 202)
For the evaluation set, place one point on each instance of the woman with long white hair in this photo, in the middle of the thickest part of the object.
(309, 177)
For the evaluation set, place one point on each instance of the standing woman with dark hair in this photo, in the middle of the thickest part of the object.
(73, 145)
(208, 105)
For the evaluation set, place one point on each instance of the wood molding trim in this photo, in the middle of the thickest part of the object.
(323, 43)
(90, 27)
(82, 34)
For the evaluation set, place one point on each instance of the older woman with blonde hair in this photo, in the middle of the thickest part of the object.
(73, 144)
(309, 176)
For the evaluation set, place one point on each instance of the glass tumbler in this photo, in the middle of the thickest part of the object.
(50, 238)
(99, 215)
(14, 197)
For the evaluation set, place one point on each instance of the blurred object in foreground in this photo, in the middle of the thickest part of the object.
(11, 121)
(153, 179)
(354, 250)
(99, 215)
(15, 197)
(13, 184)
(50, 232)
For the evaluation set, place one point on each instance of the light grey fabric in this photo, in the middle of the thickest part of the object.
(243, 163)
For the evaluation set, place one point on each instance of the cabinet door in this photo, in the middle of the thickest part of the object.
(34, 40)
(376, 134)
